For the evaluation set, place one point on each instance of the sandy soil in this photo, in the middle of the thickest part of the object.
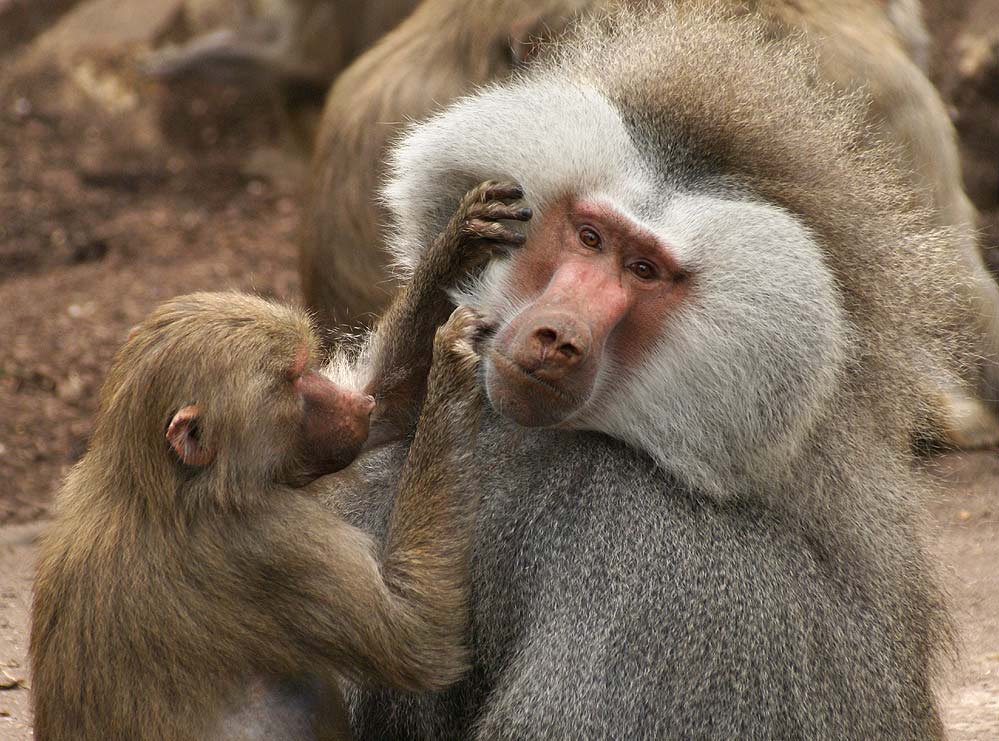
(116, 193)
(967, 516)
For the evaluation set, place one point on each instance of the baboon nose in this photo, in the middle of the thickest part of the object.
(555, 347)
(558, 347)
(358, 405)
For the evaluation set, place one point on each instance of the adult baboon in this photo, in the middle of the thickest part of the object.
(193, 588)
(448, 47)
(699, 510)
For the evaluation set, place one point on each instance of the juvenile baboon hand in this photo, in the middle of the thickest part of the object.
(477, 224)
(453, 387)
(454, 345)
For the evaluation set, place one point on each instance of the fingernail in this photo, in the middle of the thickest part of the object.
(526, 213)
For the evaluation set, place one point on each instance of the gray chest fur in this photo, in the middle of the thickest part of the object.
(609, 602)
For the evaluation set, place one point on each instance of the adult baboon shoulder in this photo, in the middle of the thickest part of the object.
(700, 513)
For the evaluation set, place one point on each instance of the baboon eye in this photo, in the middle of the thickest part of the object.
(589, 237)
(643, 269)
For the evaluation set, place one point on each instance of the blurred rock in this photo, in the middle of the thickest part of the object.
(97, 25)
(22, 20)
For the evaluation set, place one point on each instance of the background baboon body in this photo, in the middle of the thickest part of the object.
(738, 567)
(447, 48)
(168, 587)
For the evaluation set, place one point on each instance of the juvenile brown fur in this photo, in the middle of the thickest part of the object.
(396, 361)
(166, 591)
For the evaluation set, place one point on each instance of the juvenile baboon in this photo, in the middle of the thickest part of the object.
(448, 47)
(193, 587)
(700, 513)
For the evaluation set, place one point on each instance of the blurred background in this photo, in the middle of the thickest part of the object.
(124, 181)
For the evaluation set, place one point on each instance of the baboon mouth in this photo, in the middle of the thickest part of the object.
(510, 366)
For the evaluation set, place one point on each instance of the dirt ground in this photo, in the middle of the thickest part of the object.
(116, 193)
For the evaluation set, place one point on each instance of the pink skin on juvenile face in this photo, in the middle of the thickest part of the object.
(596, 282)
(335, 423)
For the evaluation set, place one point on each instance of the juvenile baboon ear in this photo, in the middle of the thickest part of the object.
(184, 437)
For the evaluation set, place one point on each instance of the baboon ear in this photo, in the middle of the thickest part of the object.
(184, 437)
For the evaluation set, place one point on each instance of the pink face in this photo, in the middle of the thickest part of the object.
(598, 287)
(335, 420)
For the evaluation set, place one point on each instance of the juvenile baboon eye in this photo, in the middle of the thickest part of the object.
(644, 270)
(589, 237)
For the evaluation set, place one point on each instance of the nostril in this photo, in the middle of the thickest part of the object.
(569, 351)
(546, 336)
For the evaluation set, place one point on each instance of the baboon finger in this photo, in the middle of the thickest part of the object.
(495, 231)
(496, 211)
(503, 192)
